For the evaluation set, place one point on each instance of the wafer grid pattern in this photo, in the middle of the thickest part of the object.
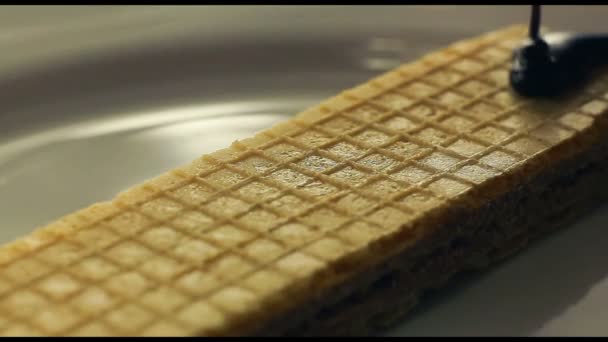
(202, 248)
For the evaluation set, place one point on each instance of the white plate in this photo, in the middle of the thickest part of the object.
(95, 99)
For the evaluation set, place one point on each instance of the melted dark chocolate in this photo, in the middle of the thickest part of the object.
(550, 67)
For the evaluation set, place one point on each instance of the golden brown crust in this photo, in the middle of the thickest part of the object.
(277, 219)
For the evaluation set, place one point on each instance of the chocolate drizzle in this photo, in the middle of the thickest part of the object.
(543, 68)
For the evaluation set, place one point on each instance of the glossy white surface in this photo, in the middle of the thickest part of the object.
(95, 99)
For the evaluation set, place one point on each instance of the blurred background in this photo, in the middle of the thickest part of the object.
(37, 33)
(94, 99)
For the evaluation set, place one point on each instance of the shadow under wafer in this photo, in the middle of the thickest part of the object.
(521, 295)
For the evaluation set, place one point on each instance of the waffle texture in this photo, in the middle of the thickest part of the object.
(245, 234)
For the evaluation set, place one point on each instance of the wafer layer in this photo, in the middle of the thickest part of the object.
(242, 235)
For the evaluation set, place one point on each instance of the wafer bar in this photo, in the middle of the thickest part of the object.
(332, 223)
